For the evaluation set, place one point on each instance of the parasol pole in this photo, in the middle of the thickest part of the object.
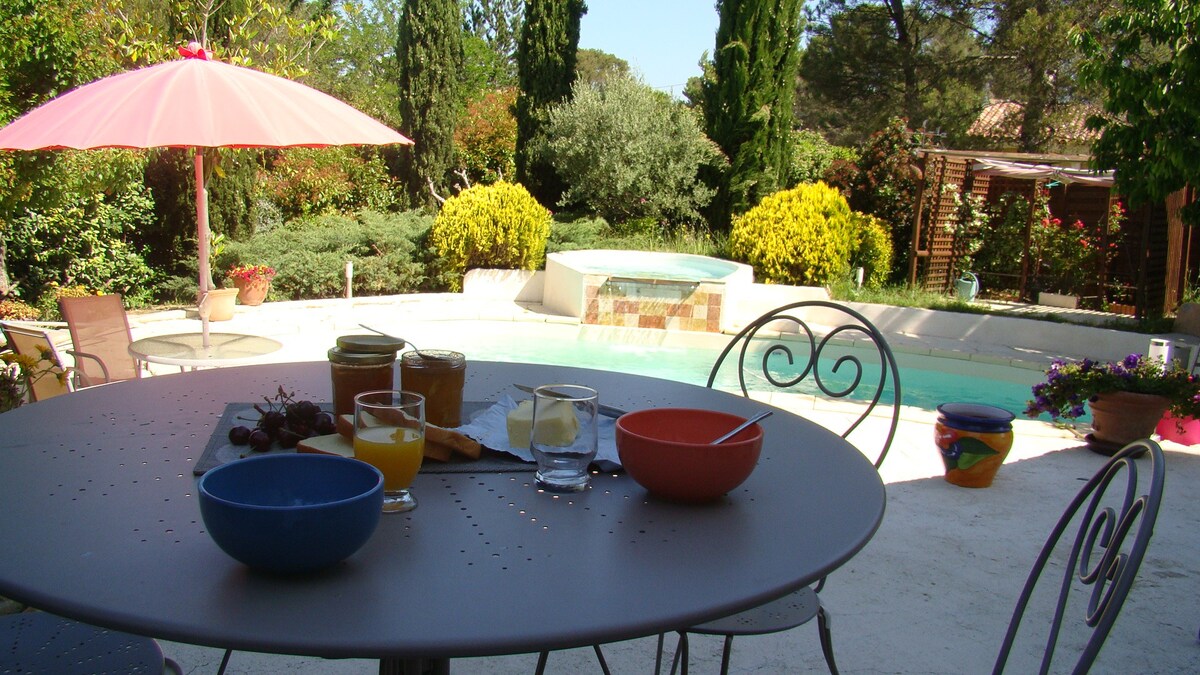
(202, 243)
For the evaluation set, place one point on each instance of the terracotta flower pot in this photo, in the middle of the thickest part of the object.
(221, 301)
(252, 292)
(1121, 417)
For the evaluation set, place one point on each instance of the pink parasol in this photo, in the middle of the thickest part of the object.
(194, 103)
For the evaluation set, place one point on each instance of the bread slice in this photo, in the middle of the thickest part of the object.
(463, 445)
(439, 442)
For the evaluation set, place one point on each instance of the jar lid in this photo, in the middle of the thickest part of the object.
(432, 358)
(976, 417)
(370, 344)
(339, 355)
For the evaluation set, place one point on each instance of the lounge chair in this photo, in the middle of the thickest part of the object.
(37, 342)
(101, 337)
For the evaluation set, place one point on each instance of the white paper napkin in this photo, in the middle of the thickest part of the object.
(490, 427)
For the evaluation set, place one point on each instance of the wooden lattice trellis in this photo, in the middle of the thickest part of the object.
(949, 181)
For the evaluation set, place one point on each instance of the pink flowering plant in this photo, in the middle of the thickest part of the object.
(1071, 384)
(252, 273)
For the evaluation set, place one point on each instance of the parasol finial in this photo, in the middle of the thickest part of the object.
(194, 50)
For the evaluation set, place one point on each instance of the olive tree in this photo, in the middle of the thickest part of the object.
(627, 152)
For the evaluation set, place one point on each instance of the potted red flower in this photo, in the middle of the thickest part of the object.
(252, 282)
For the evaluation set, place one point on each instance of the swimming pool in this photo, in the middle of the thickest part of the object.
(927, 381)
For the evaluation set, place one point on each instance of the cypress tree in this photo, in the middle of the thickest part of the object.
(545, 71)
(748, 101)
(429, 54)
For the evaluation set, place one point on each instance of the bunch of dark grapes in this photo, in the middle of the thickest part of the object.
(284, 421)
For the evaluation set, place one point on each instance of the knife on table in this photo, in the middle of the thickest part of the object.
(606, 410)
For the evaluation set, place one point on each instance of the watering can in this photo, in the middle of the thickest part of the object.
(967, 287)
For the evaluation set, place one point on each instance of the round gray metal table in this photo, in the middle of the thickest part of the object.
(101, 523)
(187, 350)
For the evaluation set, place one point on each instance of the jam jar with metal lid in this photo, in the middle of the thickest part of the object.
(438, 376)
(361, 363)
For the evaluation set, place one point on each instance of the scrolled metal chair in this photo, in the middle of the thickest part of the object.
(843, 356)
(38, 642)
(808, 335)
(1110, 541)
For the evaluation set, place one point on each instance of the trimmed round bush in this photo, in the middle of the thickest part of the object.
(496, 226)
(874, 249)
(802, 236)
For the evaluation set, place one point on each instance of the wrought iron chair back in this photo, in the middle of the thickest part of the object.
(1110, 542)
(838, 341)
(39, 642)
(830, 345)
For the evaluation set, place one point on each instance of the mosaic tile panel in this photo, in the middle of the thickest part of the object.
(670, 305)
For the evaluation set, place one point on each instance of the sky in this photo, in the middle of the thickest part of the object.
(661, 39)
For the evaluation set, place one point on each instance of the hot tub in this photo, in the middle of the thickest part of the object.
(644, 289)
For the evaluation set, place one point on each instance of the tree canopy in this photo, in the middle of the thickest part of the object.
(748, 100)
(546, 69)
(867, 62)
(1150, 75)
(429, 53)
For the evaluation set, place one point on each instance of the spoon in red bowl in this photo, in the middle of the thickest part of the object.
(762, 415)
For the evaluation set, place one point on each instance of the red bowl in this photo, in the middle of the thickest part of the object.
(668, 452)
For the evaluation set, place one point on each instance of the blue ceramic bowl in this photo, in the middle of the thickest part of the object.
(291, 513)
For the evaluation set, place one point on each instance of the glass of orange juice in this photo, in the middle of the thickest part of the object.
(389, 434)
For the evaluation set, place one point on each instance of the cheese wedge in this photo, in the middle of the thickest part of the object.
(329, 444)
(520, 424)
(556, 425)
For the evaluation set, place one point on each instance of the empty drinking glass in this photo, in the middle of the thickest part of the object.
(564, 435)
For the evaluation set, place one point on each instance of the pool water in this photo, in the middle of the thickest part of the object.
(648, 265)
(926, 381)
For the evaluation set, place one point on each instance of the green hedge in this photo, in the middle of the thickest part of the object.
(309, 255)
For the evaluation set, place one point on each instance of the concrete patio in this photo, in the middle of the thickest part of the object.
(933, 590)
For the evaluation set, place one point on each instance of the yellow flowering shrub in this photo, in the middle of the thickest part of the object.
(16, 310)
(802, 236)
(496, 226)
(874, 249)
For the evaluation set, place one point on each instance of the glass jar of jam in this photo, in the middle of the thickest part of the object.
(361, 363)
(439, 377)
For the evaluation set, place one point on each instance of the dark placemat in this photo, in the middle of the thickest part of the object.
(219, 450)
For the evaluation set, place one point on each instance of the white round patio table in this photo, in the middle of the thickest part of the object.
(187, 350)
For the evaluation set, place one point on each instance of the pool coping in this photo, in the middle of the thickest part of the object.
(984, 339)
